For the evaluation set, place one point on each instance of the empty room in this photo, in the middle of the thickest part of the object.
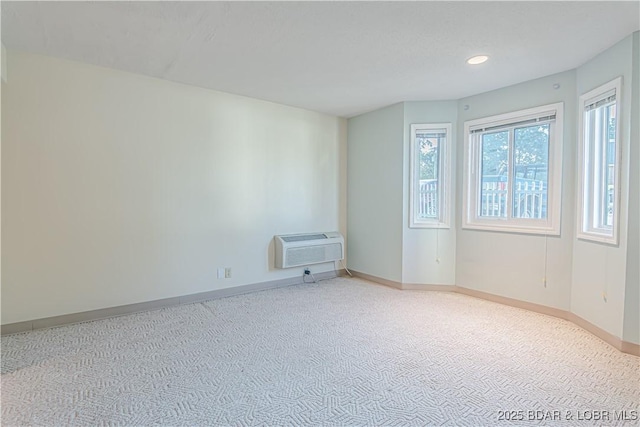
(320, 213)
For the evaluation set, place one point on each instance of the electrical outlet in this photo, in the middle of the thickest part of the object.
(307, 271)
(220, 272)
(227, 272)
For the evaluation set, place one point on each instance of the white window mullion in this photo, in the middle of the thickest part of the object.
(591, 181)
(477, 178)
(602, 137)
(511, 181)
(442, 181)
(598, 169)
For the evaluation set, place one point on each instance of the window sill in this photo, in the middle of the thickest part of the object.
(430, 225)
(594, 237)
(514, 229)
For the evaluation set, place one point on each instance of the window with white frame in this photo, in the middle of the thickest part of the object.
(430, 192)
(513, 171)
(599, 163)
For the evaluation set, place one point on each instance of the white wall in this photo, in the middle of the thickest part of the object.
(375, 199)
(513, 265)
(599, 270)
(421, 247)
(119, 188)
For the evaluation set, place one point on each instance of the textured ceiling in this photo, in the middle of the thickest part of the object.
(341, 58)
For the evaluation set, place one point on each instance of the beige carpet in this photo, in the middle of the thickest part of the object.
(340, 352)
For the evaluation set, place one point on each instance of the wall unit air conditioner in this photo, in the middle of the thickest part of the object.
(294, 250)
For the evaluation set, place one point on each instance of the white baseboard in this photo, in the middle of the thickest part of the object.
(103, 313)
(618, 343)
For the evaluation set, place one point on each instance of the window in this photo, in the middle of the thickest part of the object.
(513, 168)
(429, 198)
(599, 163)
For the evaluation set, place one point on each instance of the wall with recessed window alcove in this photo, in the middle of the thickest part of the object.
(593, 284)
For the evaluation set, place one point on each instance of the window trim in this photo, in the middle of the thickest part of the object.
(471, 179)
(444, 178)
(583, 230)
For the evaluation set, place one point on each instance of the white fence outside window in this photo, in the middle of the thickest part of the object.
(530, 199)
(428, 200)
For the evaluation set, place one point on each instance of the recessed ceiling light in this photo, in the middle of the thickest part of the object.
(477, 59)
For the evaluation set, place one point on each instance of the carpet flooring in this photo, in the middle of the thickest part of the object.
(341, 352)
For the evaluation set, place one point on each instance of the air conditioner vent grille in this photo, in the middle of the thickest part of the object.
(304, 237)
(313, 254)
